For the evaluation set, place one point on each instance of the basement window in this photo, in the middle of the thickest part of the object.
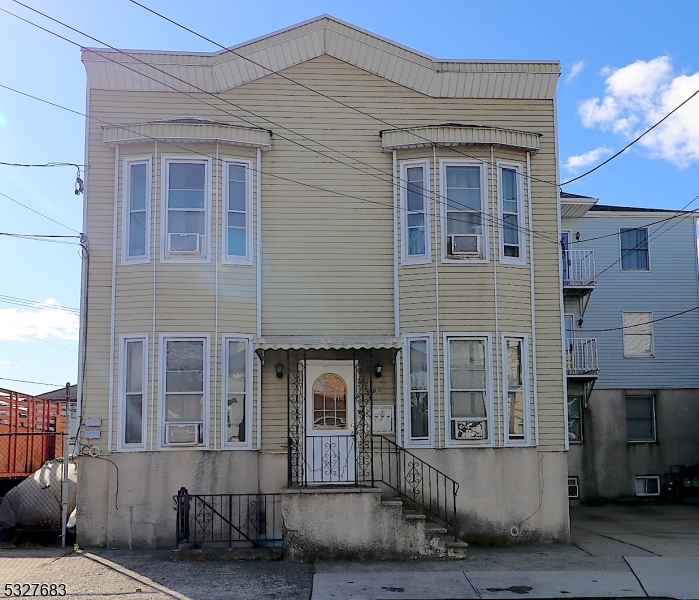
(647, 485)
(573, 488)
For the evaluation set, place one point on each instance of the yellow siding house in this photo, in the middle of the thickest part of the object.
(324, 290)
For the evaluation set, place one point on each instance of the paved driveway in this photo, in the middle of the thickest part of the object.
(636, 530)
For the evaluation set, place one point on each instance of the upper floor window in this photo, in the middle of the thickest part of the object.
(237, 219)
(185, 390)
(637, 333)
(187, 200)
(468, 389)
(465, 214)
(136, 203)
(415, 212)
(418, 393)
(512, 214)
(634, 249)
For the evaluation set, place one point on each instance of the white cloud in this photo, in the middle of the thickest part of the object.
(640, 94)
(574, 70)
(580, 161)
(48, 319)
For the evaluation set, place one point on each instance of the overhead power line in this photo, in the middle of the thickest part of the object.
(34, 382)
(672, 316)
(34, 303)
(51, 164)
(38, 213)
(218, 98)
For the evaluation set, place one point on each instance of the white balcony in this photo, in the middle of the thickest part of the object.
(581, 357)
(579, 269)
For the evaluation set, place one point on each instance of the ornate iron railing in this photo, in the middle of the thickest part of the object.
(228, 520)
(417, 481)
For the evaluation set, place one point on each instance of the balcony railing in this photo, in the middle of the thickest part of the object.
(581, 357)
(579, 268)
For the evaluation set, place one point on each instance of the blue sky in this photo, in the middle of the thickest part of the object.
(624, 63)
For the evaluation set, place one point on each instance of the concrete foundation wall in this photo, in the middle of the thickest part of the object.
(606, 463)
(499, 488)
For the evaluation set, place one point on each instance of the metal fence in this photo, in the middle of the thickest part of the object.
(579, 268)
(228, 520)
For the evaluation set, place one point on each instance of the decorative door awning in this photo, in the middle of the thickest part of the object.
(328, 343)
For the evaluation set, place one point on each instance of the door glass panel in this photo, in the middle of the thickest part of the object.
(329, 402)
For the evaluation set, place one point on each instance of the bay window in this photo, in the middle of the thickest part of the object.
(415, 212)
(237, 218)
(464, 218)
(237, 405)
(418, 390)
(133, 389)
(136, 211)
(512, 247)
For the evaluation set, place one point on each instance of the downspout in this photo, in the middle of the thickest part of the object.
(396, 296)
(218, 232)
(532, 301)
(436, 289)
(259, 294)
(154, 229)
(496, 257)
(113, 300)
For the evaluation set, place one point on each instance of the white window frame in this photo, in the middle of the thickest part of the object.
(162, 345)
(426, 258)
(581, 418)
(488, 338)
(409, 441)
(624, 334)
(521, 228)
(526, 405)
(621, 252)
(165, 256)
(573, 482)
(655, 420)
(646, 478)
(126, 211)
(225, 444)
(248, 166)
(443, 164)
(121, 443)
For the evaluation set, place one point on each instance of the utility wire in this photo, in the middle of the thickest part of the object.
(51, 164)
(33, 303)
(218, 98)
(38, 213)
(631, 143)
(630, 327)
(51, 343)
(35, 382)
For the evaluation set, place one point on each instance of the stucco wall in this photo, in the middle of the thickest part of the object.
(499, 488)
(605, 463)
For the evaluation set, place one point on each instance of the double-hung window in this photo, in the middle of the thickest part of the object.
(468, 389)
(187, 192)
(136, 204)
(237, 405)
(515, 388)
(133, 388)
(465, 216)
(634, 249)
(237, 218)
(575, 425)
(415, 212)
(638, 334)
(418, 390)
(185, 390)
(512, 248)
(640, 418)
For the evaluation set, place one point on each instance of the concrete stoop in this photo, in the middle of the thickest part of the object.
(355, 523)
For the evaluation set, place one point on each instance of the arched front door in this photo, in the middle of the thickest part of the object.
(330, 422)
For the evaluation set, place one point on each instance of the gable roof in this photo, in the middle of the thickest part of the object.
(324, 35)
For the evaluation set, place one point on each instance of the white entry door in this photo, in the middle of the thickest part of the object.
(330, 421)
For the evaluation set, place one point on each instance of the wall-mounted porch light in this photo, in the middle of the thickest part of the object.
(377, 371)
(280, 370)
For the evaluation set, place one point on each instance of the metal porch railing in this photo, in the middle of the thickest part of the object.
(579, 268)
(417, 481)
(581, 356)
(228, 520)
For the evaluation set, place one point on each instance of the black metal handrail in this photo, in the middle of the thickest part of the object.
(232, 520)
(417, 481)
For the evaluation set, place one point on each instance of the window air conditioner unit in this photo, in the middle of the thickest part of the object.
(468, 430)
(185, 243)
(466, 245)
(182, 434)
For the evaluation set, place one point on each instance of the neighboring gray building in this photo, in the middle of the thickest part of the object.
(632, 373)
